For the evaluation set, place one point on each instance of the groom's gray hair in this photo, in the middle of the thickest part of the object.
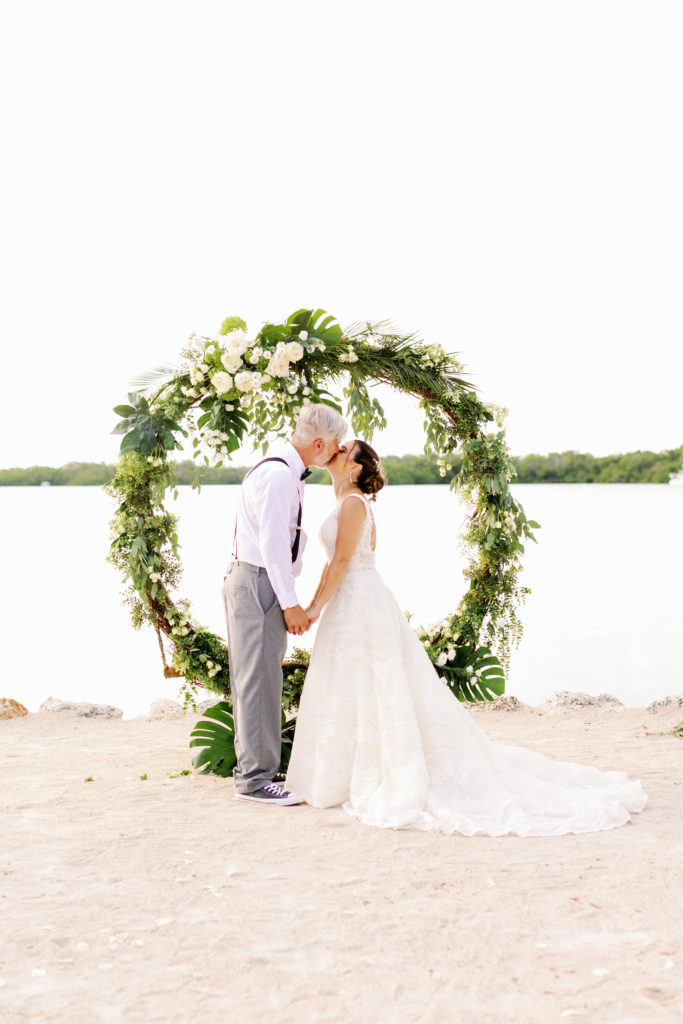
(319, 421)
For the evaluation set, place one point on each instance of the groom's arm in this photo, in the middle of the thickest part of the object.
(274, 502)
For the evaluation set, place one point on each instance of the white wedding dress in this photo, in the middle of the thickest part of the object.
(380, 733)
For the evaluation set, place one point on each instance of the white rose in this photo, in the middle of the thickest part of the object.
(203, 367)
(279, 363)
(294, 351)
(266, 379)
(303, 335)
(247, 381)
(353, 358)
(228, 407)
(237, 341)
(231, 361)
(293, 388)
(222, 382)
(442, 659)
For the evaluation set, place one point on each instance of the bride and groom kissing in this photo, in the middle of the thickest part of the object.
(377, 731)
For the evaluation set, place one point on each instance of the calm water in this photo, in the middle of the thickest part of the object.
(605, 615)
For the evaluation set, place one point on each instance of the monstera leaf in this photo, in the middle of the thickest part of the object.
(461, 676)
(319, 324)
(214, 735)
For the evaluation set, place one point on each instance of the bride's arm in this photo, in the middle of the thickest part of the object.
(320, 585)
(350, 524)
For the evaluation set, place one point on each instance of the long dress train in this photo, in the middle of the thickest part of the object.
(379, 733)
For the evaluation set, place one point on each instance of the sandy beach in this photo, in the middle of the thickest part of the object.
(164, 899)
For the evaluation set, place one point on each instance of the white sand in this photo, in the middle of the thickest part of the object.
(167, 900)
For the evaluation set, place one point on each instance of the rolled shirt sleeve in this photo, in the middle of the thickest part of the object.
(275, 495)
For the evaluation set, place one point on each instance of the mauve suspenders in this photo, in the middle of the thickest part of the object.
(297, 535)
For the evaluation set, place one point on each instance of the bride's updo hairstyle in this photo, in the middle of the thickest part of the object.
(371, 478)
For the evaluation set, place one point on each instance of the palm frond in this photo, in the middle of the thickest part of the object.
(159, 375)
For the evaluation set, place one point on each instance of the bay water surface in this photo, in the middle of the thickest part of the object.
(605, 613)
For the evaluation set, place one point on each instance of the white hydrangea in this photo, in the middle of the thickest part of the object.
(293, 388)
(303, 335)
(231, 361)
(450, 654)
(294, 351)
(469, 670)
(248, 380)
(255, 355)
(222, 382)
(442, 659)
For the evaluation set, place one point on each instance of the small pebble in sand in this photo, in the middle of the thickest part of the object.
(669, 965)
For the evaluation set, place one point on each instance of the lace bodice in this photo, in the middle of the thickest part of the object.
(363, 557)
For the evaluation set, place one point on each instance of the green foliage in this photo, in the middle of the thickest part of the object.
(566, 467)
(214, 735)
(575, 467)
(150, 433)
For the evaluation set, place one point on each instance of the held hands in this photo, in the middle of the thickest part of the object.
(296, 620)
(299, 621)
(313, 613)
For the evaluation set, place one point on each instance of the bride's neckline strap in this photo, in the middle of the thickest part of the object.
(352, 494)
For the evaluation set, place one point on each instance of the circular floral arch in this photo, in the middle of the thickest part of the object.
(232, 386)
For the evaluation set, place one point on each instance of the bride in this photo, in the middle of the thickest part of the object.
(379, 733)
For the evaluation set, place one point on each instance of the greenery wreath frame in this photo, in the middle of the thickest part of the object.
(230, 386)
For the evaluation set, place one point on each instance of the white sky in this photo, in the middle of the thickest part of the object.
(504, 177)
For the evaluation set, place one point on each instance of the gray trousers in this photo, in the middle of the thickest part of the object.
(257, 641)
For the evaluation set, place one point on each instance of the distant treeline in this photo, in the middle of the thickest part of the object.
(556, 468)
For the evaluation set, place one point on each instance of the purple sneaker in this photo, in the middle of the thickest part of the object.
(272, 794)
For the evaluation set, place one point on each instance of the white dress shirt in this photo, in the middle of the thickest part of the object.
(267, 514)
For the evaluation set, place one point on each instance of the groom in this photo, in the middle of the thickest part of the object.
(261, 605)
